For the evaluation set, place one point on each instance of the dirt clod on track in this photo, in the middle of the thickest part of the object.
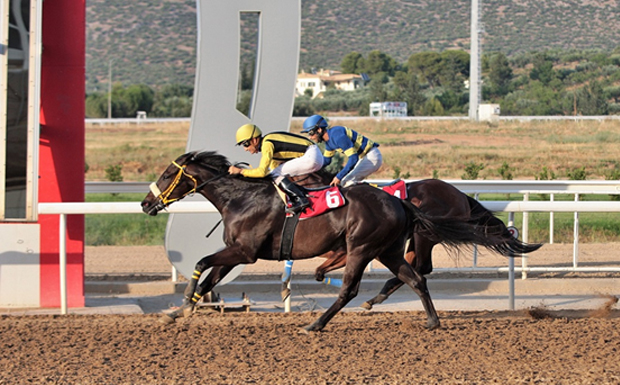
(355, 348)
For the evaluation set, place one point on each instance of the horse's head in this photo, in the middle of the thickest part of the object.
(184, 176)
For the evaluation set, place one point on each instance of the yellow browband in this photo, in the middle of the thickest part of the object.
(163, 196)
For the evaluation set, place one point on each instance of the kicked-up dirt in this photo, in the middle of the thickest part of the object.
(538, 347)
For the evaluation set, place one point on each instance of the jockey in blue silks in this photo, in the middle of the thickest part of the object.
(364, 157)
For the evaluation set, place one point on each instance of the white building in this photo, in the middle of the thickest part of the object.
(388, 109)
(320, 81)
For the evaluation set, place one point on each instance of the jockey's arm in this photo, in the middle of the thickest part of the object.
(265, 161)
(352, 160)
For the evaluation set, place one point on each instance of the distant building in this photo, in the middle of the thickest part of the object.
(488, 112)
(388, 109)
(319, 82)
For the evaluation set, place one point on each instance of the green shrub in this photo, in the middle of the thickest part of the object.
(545, 174)
(397, 174)
(114, 173)
(577, 174)
(505, 171)
(472, 170)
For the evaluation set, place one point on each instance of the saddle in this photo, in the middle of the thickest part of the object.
(397, 188)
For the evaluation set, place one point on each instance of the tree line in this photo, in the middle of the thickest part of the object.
(553, 82)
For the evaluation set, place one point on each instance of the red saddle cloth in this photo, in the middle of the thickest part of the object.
(323, 201)
(397, 188)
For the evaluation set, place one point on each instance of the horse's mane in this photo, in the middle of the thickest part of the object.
(211, 159)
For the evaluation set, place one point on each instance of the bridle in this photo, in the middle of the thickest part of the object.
(164, 197)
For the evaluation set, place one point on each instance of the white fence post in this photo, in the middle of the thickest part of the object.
(62, 255)
(475, 257)
(526, 236)
(576, 235)
(551, 220)
(511, 270)
(174, 274)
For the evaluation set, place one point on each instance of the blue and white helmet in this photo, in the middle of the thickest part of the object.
(314, 122)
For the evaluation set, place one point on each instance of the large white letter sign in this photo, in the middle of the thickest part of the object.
(215, 117)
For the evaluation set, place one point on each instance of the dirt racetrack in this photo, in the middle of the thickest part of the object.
(355, 348)
(533, 347)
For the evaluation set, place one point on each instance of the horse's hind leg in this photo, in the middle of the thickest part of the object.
(392, 284)
(419, 253)
(417, 246)
(408, 275)
(388, 289)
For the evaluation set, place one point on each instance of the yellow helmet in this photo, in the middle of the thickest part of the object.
(247, 132)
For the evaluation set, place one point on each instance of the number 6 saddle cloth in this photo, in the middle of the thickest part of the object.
(321, 201)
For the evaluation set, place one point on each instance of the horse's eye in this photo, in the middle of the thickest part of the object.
(164, 177)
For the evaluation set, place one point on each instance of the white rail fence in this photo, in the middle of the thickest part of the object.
(472, 187)
(475, 187)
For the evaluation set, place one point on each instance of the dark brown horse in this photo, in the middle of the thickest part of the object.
(439, 200)
(371, 225)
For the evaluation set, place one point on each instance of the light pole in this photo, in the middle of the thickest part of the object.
(110, 89)
(474, 63)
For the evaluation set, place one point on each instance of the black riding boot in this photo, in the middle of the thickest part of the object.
(298, 198)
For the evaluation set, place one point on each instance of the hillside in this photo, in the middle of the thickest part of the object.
(153, 42)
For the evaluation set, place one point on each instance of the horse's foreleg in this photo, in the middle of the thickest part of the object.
(334, 261)
(350, 286)
(408, 275)
(222, 262)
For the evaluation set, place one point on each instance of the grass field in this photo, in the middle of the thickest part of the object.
(441, 149)
(422, 149)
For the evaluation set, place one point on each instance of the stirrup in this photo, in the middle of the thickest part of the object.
(297, 208)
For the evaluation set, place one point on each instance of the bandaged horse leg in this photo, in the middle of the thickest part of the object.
(286, 280)
(197, 288)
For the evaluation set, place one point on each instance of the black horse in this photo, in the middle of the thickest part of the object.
(372, 224)
(441, 200)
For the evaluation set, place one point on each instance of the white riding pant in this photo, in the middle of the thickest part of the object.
(311, 161)
(364, 167)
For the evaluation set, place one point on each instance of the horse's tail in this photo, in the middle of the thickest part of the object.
(508, 244)
(456, 233)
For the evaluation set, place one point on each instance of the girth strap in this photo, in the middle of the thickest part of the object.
(288, 233)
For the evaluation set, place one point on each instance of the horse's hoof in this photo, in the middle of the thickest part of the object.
(166, 319)
(188, 311)
(433, 325)
(311, 328)
(285, 293)
(303, 331)
(366, 305)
